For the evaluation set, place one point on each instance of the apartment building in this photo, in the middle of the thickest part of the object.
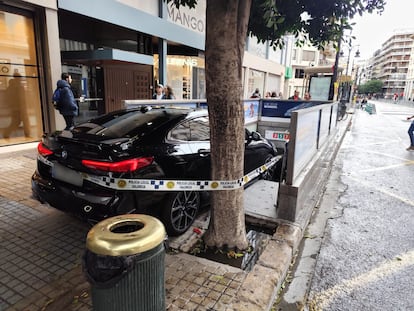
(409, 85)
(114, 50)
(390, 64)
(301, 59)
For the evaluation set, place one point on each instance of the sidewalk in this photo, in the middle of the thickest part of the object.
(41, 251)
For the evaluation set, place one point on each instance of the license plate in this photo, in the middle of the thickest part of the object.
(65, 174)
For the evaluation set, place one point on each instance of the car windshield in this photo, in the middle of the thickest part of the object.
(125, 123)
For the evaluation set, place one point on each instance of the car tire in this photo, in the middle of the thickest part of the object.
(179, 211)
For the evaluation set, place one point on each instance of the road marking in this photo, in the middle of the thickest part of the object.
(351, 144)
(387, 167)
(360, 181)
(322, 300)
(376, 152)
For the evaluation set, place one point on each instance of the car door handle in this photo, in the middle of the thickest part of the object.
(204, 152)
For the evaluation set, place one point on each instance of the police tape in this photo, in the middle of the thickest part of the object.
(172, 185)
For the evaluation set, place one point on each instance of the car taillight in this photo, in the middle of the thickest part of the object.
(43, 150)
(119, 167)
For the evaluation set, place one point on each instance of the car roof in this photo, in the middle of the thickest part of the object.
(190, 111)
(187, 112)
(137, 121)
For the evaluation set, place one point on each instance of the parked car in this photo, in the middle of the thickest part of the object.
(83, 171)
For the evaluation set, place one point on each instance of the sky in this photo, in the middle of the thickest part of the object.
(372, 30)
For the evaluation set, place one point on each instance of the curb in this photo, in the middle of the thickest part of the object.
(261, 286)
(296, 293)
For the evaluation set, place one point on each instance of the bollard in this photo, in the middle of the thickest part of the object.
(124, 263)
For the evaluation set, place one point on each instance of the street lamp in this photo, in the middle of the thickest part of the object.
(335, 71)
(350, 48)
(340, 53)
(347, 85)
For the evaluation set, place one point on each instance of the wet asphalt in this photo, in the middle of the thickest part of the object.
(358, 251)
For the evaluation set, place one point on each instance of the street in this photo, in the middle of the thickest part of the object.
(366, 260)
(358, 249)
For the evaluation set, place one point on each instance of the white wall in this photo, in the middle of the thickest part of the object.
(52, 29)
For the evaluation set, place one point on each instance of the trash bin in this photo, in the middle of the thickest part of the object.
(124, 263)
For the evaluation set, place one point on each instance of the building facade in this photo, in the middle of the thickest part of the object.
(302, 58)
(114, 50)
(409, 85)
(390, 64)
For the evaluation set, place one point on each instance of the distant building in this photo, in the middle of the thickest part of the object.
(302, 58)
(409, 84)
(390, 63)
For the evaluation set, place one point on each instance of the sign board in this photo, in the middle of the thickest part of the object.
(284, 108)
(319, 88)
(277, 135)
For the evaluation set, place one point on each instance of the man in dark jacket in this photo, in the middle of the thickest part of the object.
(67, 104)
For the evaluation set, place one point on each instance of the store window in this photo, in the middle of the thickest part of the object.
(185, 75)
(20, 108)
(256, 81)
(273, 84)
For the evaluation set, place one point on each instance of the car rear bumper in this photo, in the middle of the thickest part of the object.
(91, 206)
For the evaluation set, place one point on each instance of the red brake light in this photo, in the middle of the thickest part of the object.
(119, 167)
(43, 150)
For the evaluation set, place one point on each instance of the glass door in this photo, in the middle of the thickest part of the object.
(20, 107)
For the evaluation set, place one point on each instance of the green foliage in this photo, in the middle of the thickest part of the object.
(322, 21)
(370, 87)
(178, 3)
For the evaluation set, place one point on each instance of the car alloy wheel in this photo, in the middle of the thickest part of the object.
(180, 211)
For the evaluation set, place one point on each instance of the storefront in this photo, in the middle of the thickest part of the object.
(20, 104)
(185, 75)
(115, 53)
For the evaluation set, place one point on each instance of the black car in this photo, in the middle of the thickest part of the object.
(123, 162)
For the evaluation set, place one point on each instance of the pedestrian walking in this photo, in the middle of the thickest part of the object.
(411, 134)
(66, 103)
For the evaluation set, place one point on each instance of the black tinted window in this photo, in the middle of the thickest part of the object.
(125, 124)
(181, 132)
(197, 129)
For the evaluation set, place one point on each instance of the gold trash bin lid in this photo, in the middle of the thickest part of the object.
(125, 235)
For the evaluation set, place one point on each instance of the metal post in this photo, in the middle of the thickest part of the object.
(349, 56)
(335, 71)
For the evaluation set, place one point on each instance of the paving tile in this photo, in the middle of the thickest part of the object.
(27, 291)
(15, 298)
(43, 249)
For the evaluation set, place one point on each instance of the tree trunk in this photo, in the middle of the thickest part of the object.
(226, 32)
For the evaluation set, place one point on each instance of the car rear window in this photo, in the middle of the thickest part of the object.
(127, 123)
